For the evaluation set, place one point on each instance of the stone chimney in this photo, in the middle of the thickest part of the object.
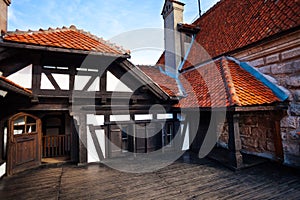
(3, 14)
(173, 15)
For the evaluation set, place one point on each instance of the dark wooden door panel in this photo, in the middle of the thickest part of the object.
(24, 147)
(25, 151)
(115, 141)
(141, 139)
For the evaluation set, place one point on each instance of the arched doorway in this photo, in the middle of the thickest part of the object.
(24, 143)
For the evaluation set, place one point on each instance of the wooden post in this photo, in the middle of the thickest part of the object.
(1, 140)
(278, 140)
(36, 77)
(72, 83)
(234, 141)
(83, 154)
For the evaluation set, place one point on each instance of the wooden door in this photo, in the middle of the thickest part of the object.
(115, 147)
(24, 145)
(120, 141)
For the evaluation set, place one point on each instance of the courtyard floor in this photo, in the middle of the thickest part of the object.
(190, 178)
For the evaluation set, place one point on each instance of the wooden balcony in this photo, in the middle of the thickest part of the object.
(56, 146)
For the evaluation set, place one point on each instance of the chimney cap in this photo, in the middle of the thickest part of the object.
(163, 12)
(8, 2)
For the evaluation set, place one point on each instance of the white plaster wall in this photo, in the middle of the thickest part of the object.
(95, 120)
(91, 148)
(2, 170)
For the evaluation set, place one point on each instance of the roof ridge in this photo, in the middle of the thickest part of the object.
(71, 28)
(229, 82)
(100, 39)
(209, 11)
(41, 30)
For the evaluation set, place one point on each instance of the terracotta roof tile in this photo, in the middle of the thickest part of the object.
(232, 24)
(15, 85)
(165, 82)
(223, 83)
(219, 83)
(161, 60)
(69, 38)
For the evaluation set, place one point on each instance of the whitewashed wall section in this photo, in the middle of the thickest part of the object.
(95, 120)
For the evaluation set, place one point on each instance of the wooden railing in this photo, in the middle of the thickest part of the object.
(56, 146)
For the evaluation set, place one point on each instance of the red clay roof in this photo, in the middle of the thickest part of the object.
(220, 83)
(161, 60)
(68, 38)
(233, 24)
(166, 83)
(15, 85)
(224, 83)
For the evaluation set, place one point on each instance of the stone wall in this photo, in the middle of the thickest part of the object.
(257, 131)
(280, 59)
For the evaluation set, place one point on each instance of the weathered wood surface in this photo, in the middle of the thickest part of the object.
(200, 179)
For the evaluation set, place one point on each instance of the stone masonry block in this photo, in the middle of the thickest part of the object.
(290, 53)
(295, 109)
(297, 66)
(293, 135)
(293, 81)
(258, 62)
(265, 70)
(270, 146)
(272, 59)
(291, 148)
(297, 95)
(289, 122)
(286, 68)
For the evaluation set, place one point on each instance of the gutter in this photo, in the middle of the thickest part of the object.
(279, 91)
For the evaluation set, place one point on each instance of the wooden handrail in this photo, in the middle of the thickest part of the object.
(56, 146)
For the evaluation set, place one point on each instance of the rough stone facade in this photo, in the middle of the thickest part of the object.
(257, 132)
(280, 58)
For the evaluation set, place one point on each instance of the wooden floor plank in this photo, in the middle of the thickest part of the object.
(181, 180)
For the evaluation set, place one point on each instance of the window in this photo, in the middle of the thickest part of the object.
(24, 125)
(118, 118)
(167, 136)
(124, 139)
(142, 117)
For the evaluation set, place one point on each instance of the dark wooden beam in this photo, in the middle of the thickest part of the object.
(89, 83)
(278, 139)
(36, 77)
(234, 141)
(52, 80)
(83, 153)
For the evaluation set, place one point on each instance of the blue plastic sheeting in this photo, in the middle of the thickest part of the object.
(276, 90)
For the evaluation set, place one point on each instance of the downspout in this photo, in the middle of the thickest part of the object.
(187, 53)
(180, 86)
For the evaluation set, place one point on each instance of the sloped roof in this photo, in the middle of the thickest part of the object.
(219, 83)
(161, 60)
(166, 83)
(66, 38)
(232, 24)
(13, 85)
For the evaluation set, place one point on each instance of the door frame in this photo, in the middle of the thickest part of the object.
(11, 143)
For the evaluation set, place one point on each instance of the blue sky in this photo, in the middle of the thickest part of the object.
(104, 18)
